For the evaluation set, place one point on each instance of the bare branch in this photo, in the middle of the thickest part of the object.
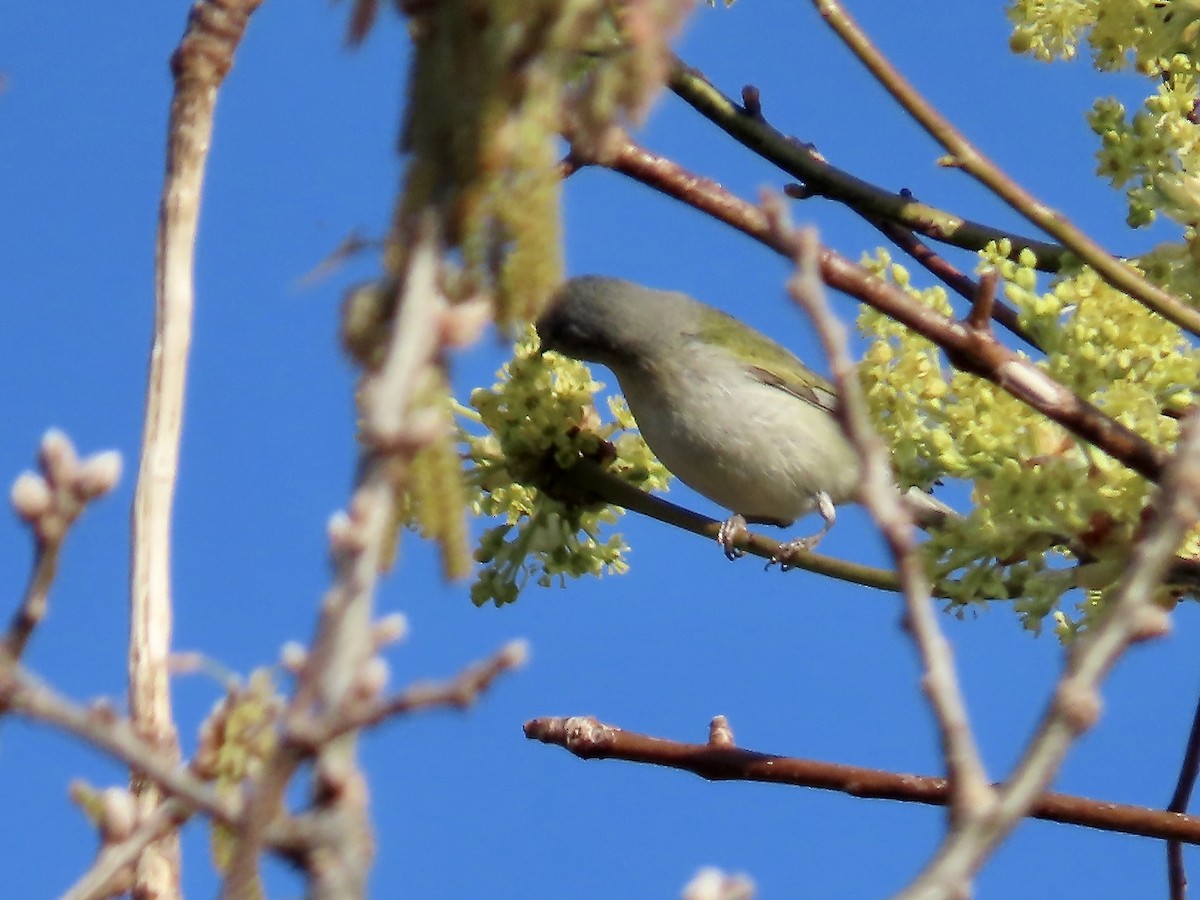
(49, 504)
(966, 156)
(612, 489)
(100, 727)
(1176, 875)
(114, 860)
(344, 642)
(984, 301)
(938, 266)
(971, 797)
(589, 738)
(460, 692)
(819, 178)
(1131, 616)
(199, 65)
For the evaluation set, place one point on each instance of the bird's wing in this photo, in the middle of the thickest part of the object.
(811, 388)
(764, 359)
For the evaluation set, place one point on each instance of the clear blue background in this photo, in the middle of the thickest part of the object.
(465, 806)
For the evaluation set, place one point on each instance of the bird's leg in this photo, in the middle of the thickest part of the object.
(828, 512)
(731, 531)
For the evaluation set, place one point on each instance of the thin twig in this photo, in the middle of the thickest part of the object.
(971, 797)
(615, 490)
(980, 317)
(1131, 615)
(49, 503)
(819, 178)
(588, 738)
(98, 881)
(199, 65)
(1176, 874)
(35, 599)
(102, 728)
(459, 692)
(968, 349)
(949, 275)
(966, 156)
(343, 642)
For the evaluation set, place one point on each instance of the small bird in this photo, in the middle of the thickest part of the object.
(730, 412)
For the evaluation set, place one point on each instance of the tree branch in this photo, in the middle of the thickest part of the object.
(819, 178)
(611, 489)
(589, 738)
(970, 795)
(106, 876)
(1176, 875)
(950, 276)
(1131, 615)
(199, 65)
(966, 156)
(343, 645)
(100, 727)
(461, 691)
(50, 503)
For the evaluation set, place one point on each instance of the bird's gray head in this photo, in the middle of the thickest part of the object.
(610, 321)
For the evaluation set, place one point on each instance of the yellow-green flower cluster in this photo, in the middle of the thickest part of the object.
(904, 381)
(1157, 150)
(539, 420)
(1120, 33)
(1042, 499)
(235, 741)
(1050, 30)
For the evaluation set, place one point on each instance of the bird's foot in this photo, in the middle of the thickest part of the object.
(731, 531)
(785, 554)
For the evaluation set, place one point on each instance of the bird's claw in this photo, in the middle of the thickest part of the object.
(785, 553)
(732, 531)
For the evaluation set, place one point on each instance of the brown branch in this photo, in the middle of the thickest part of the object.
(966, 156)
(982, 305)
(1131, 615)
(821, 179)
(967, 349)
(1176, 874)
(614, 490)
(35, 600)
(199, 65)
(588, 738)
(939, 267)
(100, 727)
(970, 795)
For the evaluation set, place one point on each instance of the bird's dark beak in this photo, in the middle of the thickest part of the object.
(548, 326)
(542, 327)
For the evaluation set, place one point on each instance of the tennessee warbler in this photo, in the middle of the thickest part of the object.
(729, 411)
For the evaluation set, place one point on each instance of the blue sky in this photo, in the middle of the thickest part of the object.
(465, 806)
